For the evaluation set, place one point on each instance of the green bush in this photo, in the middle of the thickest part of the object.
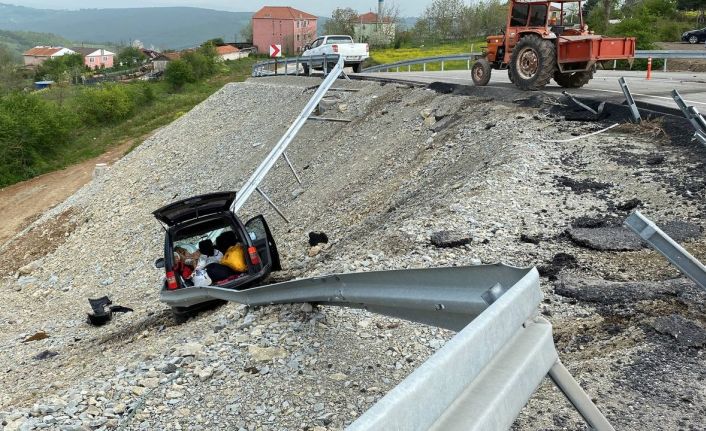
(105, 104)
(32, 130)
(178, 73)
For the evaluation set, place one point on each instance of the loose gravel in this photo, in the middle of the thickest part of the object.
(411, 164)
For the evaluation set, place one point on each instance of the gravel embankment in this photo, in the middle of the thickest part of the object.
(380, 187)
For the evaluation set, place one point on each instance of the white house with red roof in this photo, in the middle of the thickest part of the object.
(40, 54)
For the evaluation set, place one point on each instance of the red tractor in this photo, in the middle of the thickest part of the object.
(540, 43)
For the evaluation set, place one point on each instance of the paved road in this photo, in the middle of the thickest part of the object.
(692, 86)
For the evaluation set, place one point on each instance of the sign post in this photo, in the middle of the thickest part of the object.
(276, 52)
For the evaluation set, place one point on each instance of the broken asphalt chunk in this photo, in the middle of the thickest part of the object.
(686, 332)
(448, 239)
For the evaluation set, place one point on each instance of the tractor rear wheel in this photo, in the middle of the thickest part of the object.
(480, 72)
(533, 62)
(573, 80)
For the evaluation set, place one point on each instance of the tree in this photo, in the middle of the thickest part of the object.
(699, 5)
(130, 56)
(68, 67)
(10, 75)
(442, 21)
(341, 22)
(178, 73)
(215, 41)
(246, 33)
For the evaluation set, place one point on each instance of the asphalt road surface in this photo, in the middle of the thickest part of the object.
(604, 86)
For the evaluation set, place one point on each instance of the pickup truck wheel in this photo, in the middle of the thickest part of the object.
(573, 80)
(358, 68)
(533, 62)
(480, 72)
(693, 39)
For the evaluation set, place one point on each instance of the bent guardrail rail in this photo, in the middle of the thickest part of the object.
(480, 379)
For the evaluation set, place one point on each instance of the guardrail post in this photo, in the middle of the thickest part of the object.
(468, 64)
(409, 68)
(664, 68)
(631, 101)
(615, 64)
(442, 65)
(425, 66)
(661, 242)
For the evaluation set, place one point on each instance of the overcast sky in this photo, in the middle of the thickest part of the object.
(317, 7)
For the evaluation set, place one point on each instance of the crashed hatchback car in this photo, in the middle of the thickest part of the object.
(202, 231)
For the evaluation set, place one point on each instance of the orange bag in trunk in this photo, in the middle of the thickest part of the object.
(234, 259)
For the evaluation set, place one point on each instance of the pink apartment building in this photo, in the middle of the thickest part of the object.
(283, 25)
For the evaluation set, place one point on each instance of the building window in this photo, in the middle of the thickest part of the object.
(91, 59)
(105, 58)
(297, 38)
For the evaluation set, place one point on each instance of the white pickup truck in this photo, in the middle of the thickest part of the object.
(354, 54)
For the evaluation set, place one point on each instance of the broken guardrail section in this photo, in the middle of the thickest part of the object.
(253, 183)
(480, 379)
(669, 248)
(630, 100)
(692, 114)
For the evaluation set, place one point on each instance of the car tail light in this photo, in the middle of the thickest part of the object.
(335, 48)
(171, 281)
(254, 257)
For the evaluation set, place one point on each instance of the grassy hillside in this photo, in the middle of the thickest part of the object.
(20, 41)
(166, 27)
(48, 130)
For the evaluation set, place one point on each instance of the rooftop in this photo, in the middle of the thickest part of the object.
(282, 12)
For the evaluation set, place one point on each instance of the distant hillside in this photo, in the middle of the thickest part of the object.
(164, 27)
(20, 41)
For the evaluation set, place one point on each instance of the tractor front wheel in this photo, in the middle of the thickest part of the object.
(480, 72)
(573, 80)
(533, 62)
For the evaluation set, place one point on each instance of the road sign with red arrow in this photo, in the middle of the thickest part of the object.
(275, 50)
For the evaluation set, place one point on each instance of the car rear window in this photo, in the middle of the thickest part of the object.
(338, 39)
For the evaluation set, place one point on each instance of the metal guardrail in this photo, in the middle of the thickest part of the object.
(480, 379)
(669, 248)
(263, 68)
(442, 59)
(252, 184)
(272, 67)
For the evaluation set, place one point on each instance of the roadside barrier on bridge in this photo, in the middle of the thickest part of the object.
(669, 248)
(481, 378)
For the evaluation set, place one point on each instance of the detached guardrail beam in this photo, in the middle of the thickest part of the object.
(253, 183)
(480, 379)
(669, 248)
